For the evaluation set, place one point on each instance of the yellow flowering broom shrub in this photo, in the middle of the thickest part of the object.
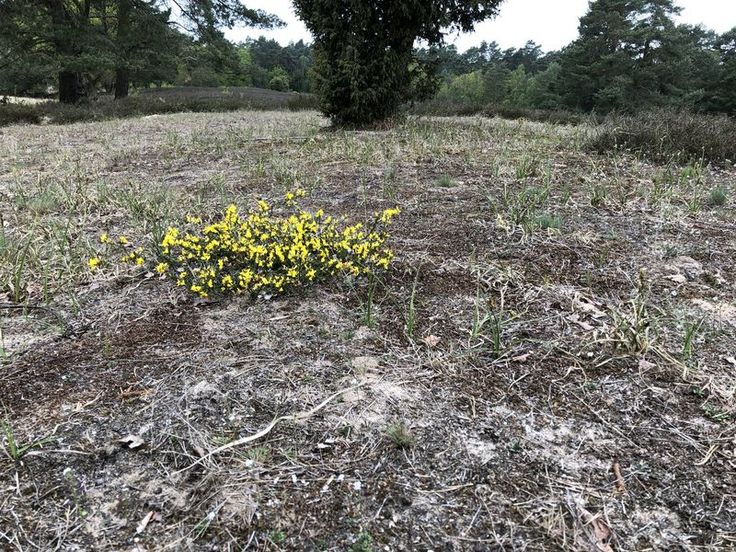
(259, 251)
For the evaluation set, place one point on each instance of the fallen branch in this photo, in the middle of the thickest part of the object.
(266, 430)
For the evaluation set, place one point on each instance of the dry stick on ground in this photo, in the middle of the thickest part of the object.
(266, 430)
(620, 481)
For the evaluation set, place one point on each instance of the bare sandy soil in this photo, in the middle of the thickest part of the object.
(549, 364)
(22, 100)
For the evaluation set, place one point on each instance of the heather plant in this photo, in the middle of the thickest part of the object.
(260, 251)
(667, 135)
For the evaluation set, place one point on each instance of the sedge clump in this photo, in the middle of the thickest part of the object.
(260, 251)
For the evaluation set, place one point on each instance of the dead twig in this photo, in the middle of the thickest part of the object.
(266, 430)
(620, 481)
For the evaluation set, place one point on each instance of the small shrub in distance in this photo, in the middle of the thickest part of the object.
(668, 135)
(16, 114)
(363, 544)
(157, 101)
(445, 181)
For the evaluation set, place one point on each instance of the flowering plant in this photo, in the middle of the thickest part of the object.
(259, 251)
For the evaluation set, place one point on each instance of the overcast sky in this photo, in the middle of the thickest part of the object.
(551, 23)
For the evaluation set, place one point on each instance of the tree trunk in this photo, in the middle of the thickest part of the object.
(70, 87)
(70, 82)
(122, 72)
(122, 83)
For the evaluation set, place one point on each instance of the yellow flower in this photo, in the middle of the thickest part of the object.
(267, 253)
(104, 238)
(123, 240)
(388, 214)
(93, 263)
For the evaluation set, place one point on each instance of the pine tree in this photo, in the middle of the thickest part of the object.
(145, 45)
(597, 66)
(63, 32)
(203, 19)
(657, 49)
(725, 88)
(630, 55)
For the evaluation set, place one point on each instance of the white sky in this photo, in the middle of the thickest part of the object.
(551, 23)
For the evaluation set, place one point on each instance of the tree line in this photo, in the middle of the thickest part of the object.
(364, 64)
(629, 56)
(79, 47)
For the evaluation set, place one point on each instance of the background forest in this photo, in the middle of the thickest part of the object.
(629, 56)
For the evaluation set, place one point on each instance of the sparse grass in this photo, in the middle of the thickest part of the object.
(598, 196)
(693, 173)
(411, 308)
(527, 167)
(633, 325)
(550, 221)
(3, 351)
(502, 354)
(368, 306)
(663, 186)
(487, 327)
(203, 525)
(688, 345)
(400, 435)
(13, 269)
(693, 204)
(522, 209)
(446, 181)
(718, 197)
(390, 182)
(14, 449)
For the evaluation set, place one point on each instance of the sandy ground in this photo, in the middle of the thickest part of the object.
(568, 383)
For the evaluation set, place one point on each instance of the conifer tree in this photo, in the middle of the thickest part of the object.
(628, 55)
(364, 50)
